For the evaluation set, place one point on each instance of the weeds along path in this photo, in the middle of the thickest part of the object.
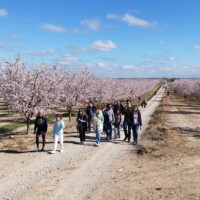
(78, 173)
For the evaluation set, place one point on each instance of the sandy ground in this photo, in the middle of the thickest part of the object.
(174, 176)
(114, 171)
(75, 174)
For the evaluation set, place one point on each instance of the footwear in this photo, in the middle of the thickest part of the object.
(42, 149)
(134, 143)
(52, 152)
(83, 142)
(61, 151)
(96, 145)
(124, 139)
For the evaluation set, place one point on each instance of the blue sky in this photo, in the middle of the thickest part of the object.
(114, 38)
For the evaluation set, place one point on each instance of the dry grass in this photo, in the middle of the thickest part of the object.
(157, 135)
(161, 140)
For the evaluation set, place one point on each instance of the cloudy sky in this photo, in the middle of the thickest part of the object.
(114, 38)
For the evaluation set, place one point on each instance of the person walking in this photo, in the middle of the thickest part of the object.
(90, 113)
(98, 121)
(117, 124)
(136, 120)
(40, 129)
(58, 129)
(111, 119)
(82, 125)
(127, 125)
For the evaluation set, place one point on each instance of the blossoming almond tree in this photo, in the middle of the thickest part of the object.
(29, 90)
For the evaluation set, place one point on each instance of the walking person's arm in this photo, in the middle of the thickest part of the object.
(46, 125)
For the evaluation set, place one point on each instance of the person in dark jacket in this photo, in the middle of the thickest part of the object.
(82, 122)
(40, 128)
(117, 123)
(108, 113)
(118, 106)
(90, 113)
(136, 120)
(127, 125)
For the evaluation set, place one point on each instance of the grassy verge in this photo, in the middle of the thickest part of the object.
(156, 136)
(10, 127)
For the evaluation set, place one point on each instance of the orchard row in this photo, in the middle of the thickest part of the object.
(28, 90)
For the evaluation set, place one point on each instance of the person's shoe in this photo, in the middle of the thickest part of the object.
(61, 151)
(129, 141)
(52, 152)
(83, 142)
(96, 145)
(115, 137)
(134, 143)
(42, 149)
(124, 139)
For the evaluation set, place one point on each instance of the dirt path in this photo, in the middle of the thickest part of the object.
(75, 174)
(170, 177)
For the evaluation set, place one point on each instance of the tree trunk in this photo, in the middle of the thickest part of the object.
(70, 115)
(27, 125)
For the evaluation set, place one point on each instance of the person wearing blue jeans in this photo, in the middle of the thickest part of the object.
(98, 137)
(135, 133)
(117, 123)
(98, 121)
(136, 123)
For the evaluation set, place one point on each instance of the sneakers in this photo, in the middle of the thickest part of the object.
(134, 143)
(82, 142)
(52, 152)
(96, 145)
(61, 151)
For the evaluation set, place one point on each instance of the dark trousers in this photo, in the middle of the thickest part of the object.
(127, 130)
(109, 130)
(89, 124)
(82, 135)
(135, 133)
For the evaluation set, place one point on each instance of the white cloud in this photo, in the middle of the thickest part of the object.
(103, 45)
(67, 59)
(129, 67)
(42, 52)
(6, 47)
(52, 27)
(13, 38)
(132, 20)
(172, 58)
(196, 46)
(92, 24)
(3, 12)
(96, 46)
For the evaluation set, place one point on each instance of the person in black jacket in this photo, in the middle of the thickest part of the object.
(82, 122)
(40, 128)
(127, 125)
(136, 120)
(90, 113)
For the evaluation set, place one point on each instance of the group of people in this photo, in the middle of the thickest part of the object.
(112, 118)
